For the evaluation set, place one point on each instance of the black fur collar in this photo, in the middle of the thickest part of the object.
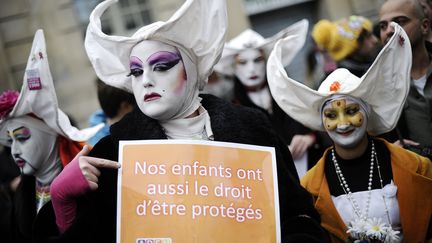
(229, 123)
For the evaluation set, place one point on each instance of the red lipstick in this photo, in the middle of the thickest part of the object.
(151, 96)
(20, 163)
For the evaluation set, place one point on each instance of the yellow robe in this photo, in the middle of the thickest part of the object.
(412, 174)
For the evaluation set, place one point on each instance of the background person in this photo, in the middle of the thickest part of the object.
(245, 57)
(40, 136)
(415, 125)
(349, 42)
(114, 103)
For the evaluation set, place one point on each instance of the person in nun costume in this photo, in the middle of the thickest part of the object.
(164, 65)
(41, 138)
(364, 187)
(244, 58)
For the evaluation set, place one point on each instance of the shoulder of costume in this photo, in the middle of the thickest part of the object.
(313, 178)
(136, 126)
(407, 159)
(104, 145)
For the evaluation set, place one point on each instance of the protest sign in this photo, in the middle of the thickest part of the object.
(196, 191)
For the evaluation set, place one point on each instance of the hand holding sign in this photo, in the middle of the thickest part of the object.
(89, 167)
(79, 176)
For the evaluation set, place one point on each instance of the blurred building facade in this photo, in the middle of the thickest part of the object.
(64, 23)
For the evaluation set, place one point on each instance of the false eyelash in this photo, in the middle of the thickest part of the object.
(135, 72)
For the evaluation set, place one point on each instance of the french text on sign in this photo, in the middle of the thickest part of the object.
(240, 192)
(154, 207)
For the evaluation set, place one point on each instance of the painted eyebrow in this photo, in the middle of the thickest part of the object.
(163, 56)
(259, 58)
(135, 61)
(329, 110)
(19, 128)
(353, 106)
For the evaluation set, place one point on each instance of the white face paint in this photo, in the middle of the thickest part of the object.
(250, 67)
(345, 121)
(158, 79)
(30, 147)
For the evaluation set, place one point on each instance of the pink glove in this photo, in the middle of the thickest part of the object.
(67, 186)
(78, 177)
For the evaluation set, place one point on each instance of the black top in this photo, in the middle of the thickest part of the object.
(285, 126)
(356, 171)
(356, 67)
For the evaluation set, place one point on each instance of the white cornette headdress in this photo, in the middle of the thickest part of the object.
(198, 29)
(250, 39)
(384, 87)
(38, 97)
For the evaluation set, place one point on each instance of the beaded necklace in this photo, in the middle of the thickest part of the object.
(347, 190)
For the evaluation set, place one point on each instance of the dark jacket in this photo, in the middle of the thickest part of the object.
(8, 171)
(416, 119)
(285, 126)
(96, 214)
(415, 122)
(24, 209)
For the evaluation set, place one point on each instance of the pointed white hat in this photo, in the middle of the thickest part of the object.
(384, 87)
(38, 97)
(250, 39)
(198, 29)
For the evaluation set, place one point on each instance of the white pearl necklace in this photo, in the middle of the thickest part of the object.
(347, 190)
